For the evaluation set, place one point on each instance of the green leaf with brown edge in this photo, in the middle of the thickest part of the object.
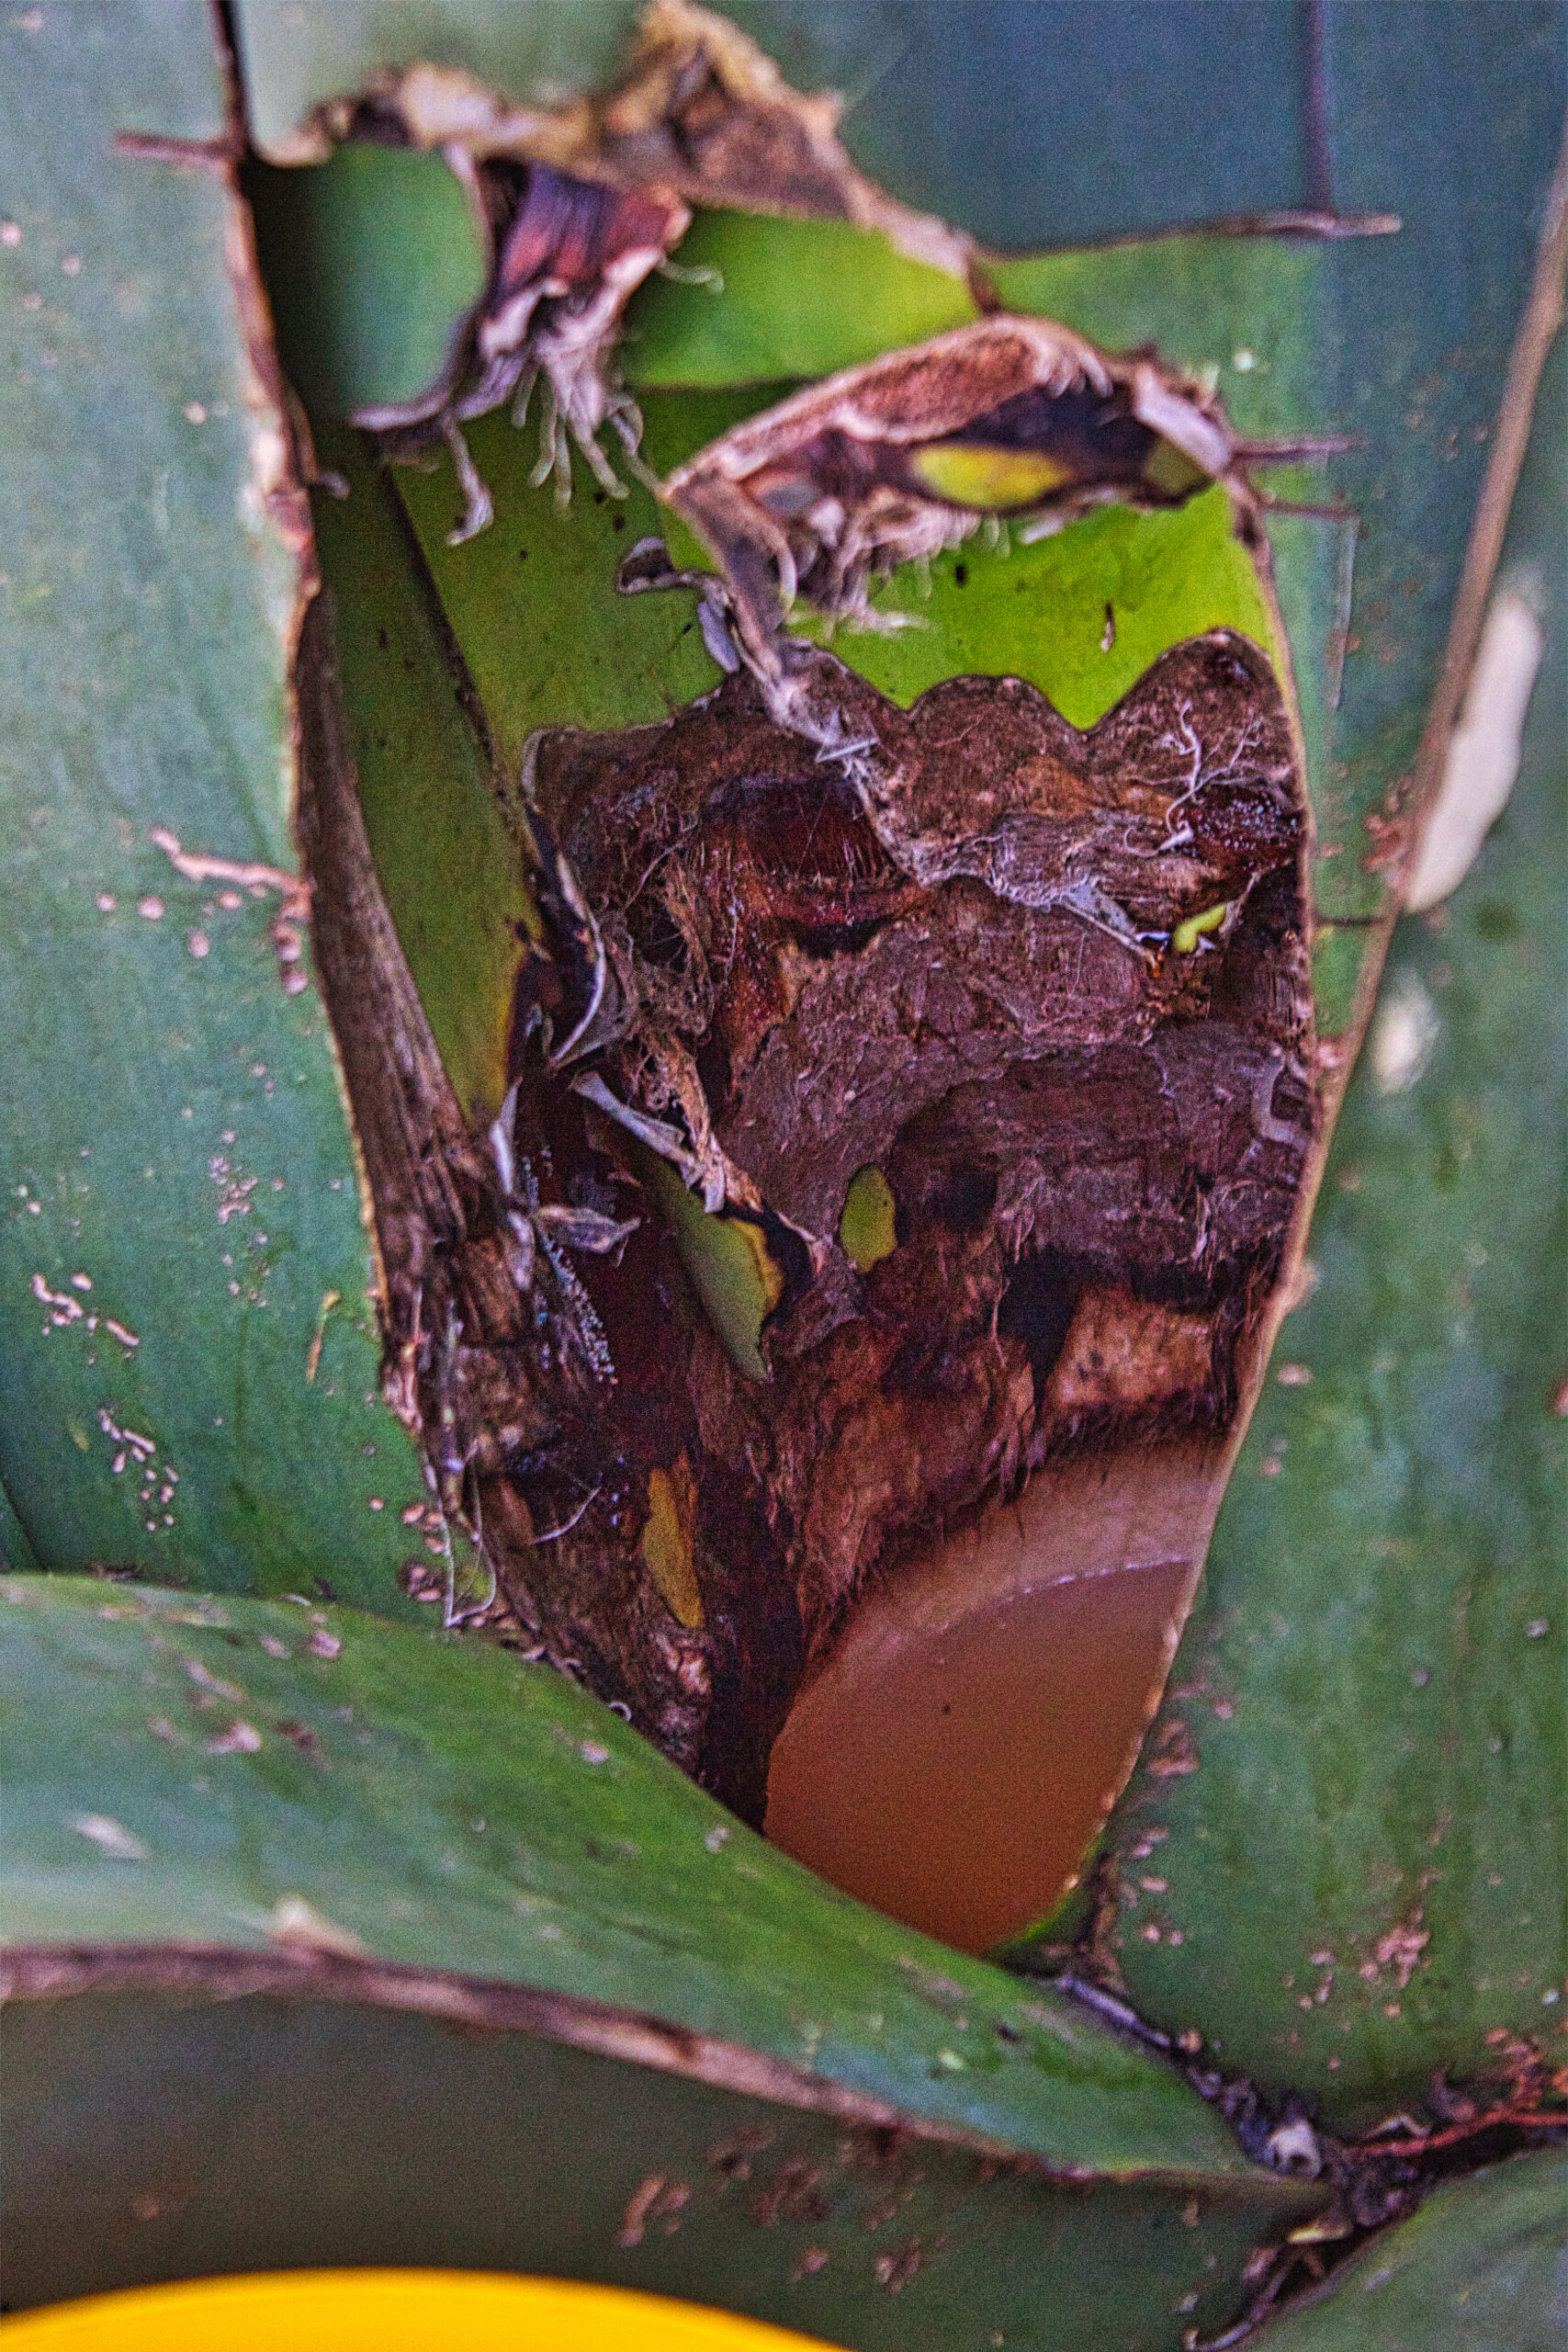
(1479, 2268)
(1358, 1784)
(191, 1358)
(330, 49)
(572, 653)
(273, 2117)
(314, 1824)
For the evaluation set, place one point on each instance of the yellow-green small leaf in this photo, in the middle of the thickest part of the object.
(867, 1228)
(667, 1539)
(732, 1270)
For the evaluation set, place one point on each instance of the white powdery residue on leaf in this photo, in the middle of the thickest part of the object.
(110, 1837)
(241, 1739)
(293, 1920)
(1403, 1033)
(1483, 751)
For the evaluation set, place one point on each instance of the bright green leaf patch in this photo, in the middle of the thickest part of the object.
(453, 875)
(868, 1227)
(727, 1258)
(787, 298)
(532, 602)
(374, 261)
(1080, 615)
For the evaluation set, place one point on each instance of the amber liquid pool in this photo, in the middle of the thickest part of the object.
(953, 1763)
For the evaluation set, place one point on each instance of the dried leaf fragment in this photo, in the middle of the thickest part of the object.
(891, 462)
(569, 254)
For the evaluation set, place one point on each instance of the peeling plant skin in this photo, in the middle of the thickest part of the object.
(580, 207)
(568, 255)
(891, 463)
(894, 461)
(701, 112)
(763, 978)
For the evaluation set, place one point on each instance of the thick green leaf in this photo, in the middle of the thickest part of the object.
(229, 1775)
(597, 1870)
(374, 261)
(1365, 1855)
(1479, 2269)
(787, 298)
(452, 874)
(1423, 327)
(156, 2136)
(190, 1355)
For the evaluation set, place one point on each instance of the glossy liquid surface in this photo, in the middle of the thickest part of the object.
(953, 1763)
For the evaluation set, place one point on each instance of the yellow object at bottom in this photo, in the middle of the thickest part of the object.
(387, 2311)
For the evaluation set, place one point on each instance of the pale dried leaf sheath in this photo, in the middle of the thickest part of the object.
(890, 462)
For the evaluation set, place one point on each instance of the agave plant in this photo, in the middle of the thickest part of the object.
(781, 1383)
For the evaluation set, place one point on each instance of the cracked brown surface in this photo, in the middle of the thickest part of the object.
(1092, 1139)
